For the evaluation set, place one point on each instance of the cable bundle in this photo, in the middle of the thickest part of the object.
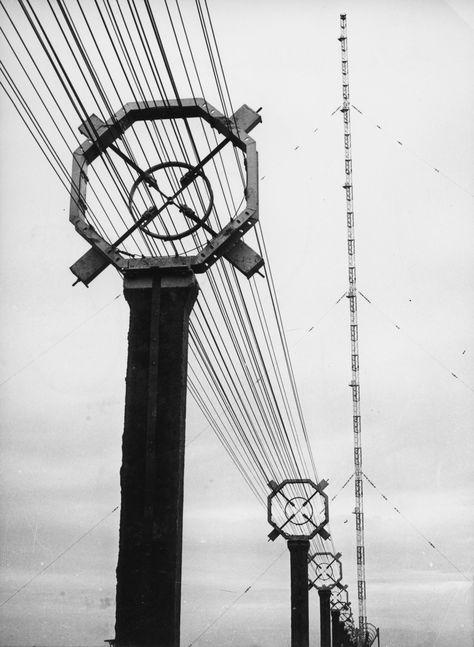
(240, 371)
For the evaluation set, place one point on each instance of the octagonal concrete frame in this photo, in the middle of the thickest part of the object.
(338, 604)
(101, 135)
(319, 489)
(334, 560)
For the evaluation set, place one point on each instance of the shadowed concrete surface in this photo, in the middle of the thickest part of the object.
(152, 473)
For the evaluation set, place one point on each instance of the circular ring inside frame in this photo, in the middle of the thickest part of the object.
(324, 572)
(175, 199)
(298, 510)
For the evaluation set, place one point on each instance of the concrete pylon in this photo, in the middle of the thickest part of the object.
(336, 637)
(325, 616)
(299, 592)
(344, 635)
(152, 474)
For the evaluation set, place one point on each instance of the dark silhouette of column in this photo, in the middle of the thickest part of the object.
(345, 639)
(299, 592)
(336, 638)
(325, 616)
(150, 546)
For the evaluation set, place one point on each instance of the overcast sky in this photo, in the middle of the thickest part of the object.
(64, 350)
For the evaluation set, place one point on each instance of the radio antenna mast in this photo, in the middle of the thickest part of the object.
(355, 385)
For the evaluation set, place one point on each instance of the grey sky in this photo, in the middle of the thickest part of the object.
(410, 73)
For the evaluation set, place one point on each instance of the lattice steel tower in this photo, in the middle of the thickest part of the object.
(355, 385)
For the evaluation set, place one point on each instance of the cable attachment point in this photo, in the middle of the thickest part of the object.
(188, 212)
(162, 180)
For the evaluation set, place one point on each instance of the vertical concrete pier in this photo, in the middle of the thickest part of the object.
(336, 637)
(150, 546)
(299, 592)
(325, 616)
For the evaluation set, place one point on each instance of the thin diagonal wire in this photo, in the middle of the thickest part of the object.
(66, 550)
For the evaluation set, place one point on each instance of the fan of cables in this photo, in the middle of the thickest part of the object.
(65, 63)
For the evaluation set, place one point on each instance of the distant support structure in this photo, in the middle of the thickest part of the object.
(355, 384)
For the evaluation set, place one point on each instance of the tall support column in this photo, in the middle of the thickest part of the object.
(344, 638)
(336, 638)
(150, 547)
(299, 592)
(325, 616)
